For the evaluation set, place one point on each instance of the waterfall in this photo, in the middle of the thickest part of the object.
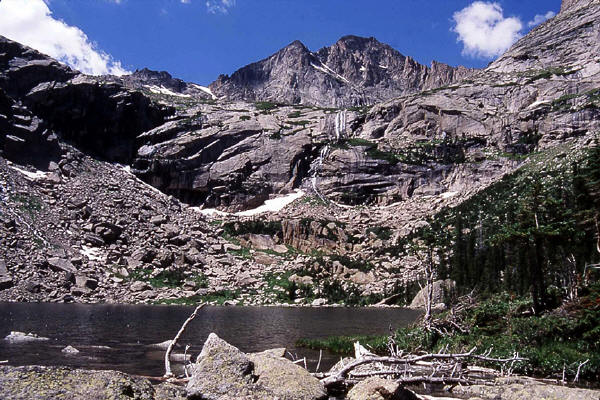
(317, 168)
(340, 125)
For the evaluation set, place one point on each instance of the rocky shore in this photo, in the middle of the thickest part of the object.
(223, 372)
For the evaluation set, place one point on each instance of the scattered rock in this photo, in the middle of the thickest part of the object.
(16, 337)
(139, 286)
(83, 281)
(61, 264)
(318, 302)
(5, 279)
(70, 350)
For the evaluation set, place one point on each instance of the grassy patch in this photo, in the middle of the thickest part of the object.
(265, 106)
(560, 339)
(170, 279)
(31, 205)
(218, 298)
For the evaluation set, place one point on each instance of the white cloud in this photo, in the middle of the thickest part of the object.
(219, 6)
(484, 31)
(539, 18)
(31, 23)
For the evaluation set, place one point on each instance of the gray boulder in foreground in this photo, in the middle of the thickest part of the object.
(224, 372)
(49, 383)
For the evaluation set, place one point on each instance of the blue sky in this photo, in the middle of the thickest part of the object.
(196, 40)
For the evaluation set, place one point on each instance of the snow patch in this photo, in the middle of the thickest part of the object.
(447, 195)
(273, 205)
(210, 212)
(326, 70)
(538, 103)
(383, 66)
(362, 69)
(205, 90)
(164, 90)
(91, 253)
(31, 175)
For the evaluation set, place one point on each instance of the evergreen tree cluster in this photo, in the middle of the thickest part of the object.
(534, 232)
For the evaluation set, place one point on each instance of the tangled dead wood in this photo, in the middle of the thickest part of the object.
(432, 368)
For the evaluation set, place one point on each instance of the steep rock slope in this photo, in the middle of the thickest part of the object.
(372, 174)
(354, 71)
(447, 139)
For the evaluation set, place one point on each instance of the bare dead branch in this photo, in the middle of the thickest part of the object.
(579, 370)
(168, 372)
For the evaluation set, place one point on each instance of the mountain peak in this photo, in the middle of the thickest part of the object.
(297, 44)
(353, 71)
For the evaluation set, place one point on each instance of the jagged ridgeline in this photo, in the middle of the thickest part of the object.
(108, 179)
(534, 231)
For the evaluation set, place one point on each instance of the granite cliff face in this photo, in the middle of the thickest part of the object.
(355, 71)
(370, 175)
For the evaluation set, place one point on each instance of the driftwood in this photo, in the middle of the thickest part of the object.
(440, 368)
(168, 372)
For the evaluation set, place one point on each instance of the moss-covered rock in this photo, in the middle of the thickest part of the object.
(224, 372)
(54, 383)
(286, 380)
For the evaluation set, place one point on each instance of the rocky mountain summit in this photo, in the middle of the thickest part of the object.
(161, 82)
(355, 71)
(144, 188)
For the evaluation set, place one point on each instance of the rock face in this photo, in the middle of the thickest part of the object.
(570, 4)
(354, 71)
(46, 96)
(224, 372)
(162, 82)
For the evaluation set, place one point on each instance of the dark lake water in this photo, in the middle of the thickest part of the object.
(125, 331)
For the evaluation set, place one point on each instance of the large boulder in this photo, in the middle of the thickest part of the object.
(5, 278)
(49, 383)
(442, 291)
(286, 380)
(224, 372)
(221, 369)
(376, 388)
